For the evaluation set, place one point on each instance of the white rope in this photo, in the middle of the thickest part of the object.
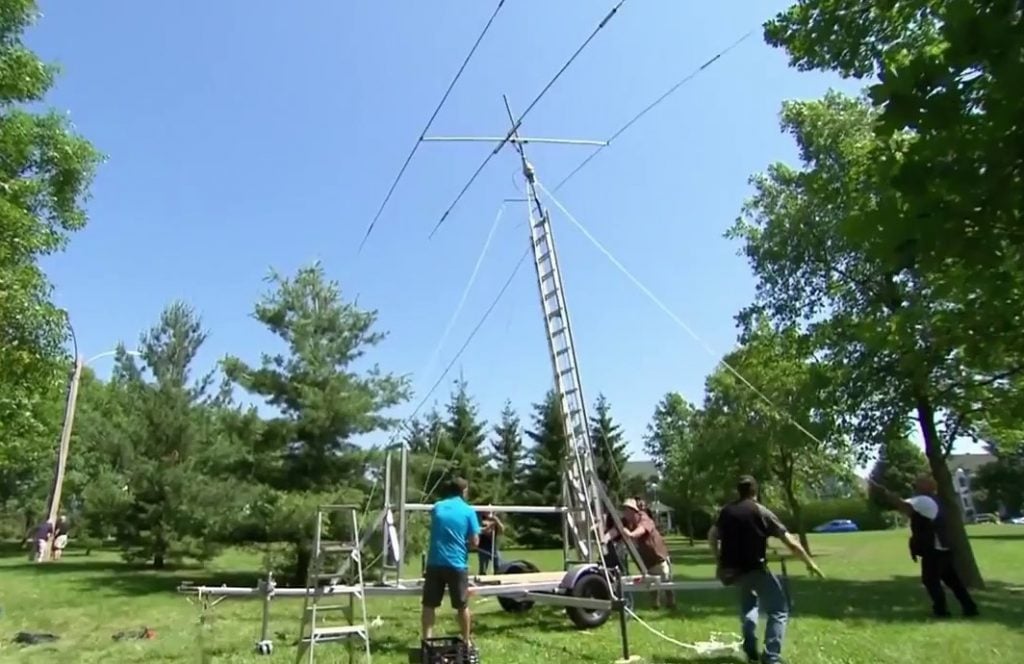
(661, 305)
(710, 648)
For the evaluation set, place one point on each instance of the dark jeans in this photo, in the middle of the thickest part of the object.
(937, 568)
(762, 590)
(485, 559)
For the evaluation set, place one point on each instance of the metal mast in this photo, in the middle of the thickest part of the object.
(582, 491)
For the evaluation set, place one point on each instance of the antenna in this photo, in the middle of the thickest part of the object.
(583, 493)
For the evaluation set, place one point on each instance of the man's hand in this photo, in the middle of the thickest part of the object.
(814, 570)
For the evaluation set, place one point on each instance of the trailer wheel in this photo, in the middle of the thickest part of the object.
(516, 567)
(591, 586)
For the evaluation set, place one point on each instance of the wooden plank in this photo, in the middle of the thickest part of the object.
(529, 577)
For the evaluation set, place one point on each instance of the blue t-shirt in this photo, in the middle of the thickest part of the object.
(452, 522)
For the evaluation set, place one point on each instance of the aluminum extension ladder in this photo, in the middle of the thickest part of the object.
(331, 562)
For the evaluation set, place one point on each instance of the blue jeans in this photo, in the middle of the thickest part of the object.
(763, 590)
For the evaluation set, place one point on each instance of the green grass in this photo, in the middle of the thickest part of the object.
(871, 609)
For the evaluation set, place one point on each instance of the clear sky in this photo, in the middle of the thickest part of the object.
(245, 135)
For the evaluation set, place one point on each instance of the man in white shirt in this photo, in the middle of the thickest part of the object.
(929, 541)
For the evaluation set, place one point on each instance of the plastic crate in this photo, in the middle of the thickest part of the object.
(447, 650)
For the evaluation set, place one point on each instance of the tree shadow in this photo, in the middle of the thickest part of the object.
(1017, 536)
(900, 598)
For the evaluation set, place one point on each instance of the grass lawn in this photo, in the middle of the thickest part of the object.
(871, 609)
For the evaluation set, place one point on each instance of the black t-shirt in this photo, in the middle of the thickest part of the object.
(743, 531)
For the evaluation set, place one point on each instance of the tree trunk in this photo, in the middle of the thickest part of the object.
(798, 515)
(689, 524)
(158, 560)
(963, 554)
(303, 559)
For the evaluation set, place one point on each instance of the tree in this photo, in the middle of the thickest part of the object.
(894, 341)
(173, 509)
(672, 440)
(45, 172)
(465, 437)
(1001, 483)
(508, 455)
(899, 464)
(609, 448)
(949, 72)
(786, 422)
(542, 483)
(324, 401)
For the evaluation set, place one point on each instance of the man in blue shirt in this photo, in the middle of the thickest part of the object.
(454, 529)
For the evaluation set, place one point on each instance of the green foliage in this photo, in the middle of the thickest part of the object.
(672, 440)
(1001, 484)
(171, 509)
(814, 513)
(609, 445)
(508, 455)
(324, 402)
(899, 464)
(542, 484)
(463, 443)
(894, 340)
(787, 435)
(45, 172)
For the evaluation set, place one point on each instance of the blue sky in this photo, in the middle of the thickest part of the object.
(247, 135)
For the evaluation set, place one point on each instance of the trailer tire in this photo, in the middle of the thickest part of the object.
(591, 586)
(516, 567)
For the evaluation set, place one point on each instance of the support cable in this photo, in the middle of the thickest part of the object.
(668, 93)
(686, 328)
(515, 127)
(426, 128)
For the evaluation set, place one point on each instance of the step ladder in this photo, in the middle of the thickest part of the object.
(331, 592)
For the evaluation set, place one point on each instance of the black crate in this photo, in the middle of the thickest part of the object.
(447, 650)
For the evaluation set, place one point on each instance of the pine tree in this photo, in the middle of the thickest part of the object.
(508, 456)
(543, 477)
(465, 438)
(609, 448)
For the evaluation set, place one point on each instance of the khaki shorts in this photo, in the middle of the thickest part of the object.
(662, 570)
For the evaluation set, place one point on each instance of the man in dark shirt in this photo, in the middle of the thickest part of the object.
(739, 540)
(491, 528)
(929, 541)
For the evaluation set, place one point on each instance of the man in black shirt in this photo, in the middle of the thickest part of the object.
(929, 541)
(739, 540)
(491, 528)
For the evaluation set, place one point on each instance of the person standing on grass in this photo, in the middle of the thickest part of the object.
(40, 539)
(491, 528)
(454, 529)
(739, 541)
(649, 544)
(60, 537)
(929, 541)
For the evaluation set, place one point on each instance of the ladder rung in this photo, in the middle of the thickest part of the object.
(543, 257)
(547, 275)
(336, 632)
(328, 607)
(337, 547)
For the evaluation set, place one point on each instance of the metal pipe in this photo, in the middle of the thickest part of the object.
(403, 496)
(387, 506)
(502, 139)
(268, 592)
(510, 509)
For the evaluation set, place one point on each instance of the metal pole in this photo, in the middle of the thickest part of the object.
(387, 506)
(403, 488)
(53, 506)
(268, 591)
(623, 632)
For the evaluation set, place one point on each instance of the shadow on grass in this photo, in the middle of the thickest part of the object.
(1015, 536)
(119, 577)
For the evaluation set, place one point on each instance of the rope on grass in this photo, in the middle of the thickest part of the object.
(711, 648)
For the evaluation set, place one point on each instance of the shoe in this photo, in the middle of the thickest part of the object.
(752, 655)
